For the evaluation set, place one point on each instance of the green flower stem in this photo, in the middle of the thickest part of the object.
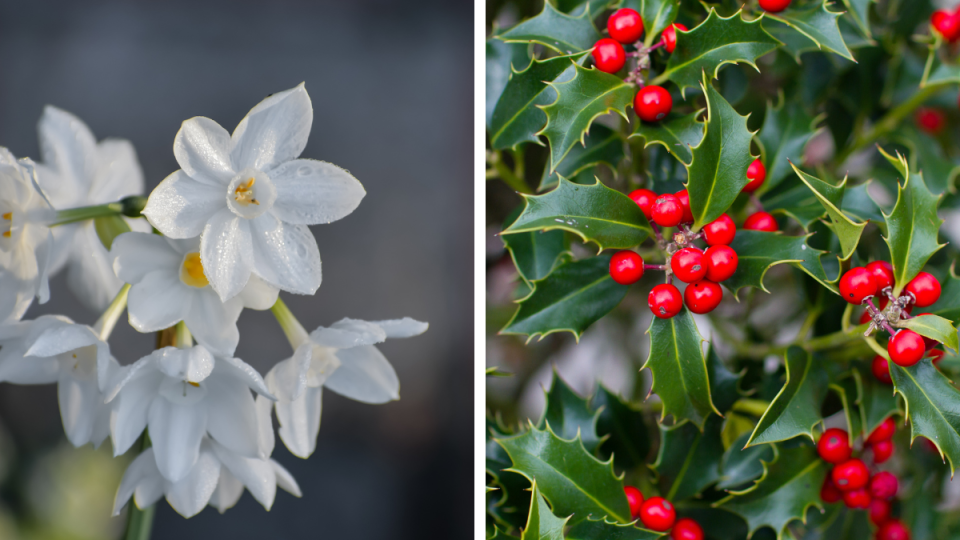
(106, 323)
(182, 336)
(140, 521)
(129, 207)
(753, 407)
(292, 328)
(509, 177)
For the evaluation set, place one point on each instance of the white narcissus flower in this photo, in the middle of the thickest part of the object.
(182, 395)
(342, 358)
(77, 171)
(54, 349)
(25, 239)
(250, 198)
(169, 285)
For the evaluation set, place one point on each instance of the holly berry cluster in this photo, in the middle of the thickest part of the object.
(852, 482)
(657, 514)
(859, 285)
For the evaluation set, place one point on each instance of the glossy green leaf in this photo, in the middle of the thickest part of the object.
(740, 464)
(858, 203)
(606, 530)
(948, 305)
(595, 213)
(796, 409)
(678, 134)
(789, 486)
(679, 369)
(535, 253)
(517, 117)
(574, 482)
(877, 401)
(819, 25)
(573, 297)
(848, 390)
(601, 145)
(938, 169)
(714, 43)
(912, 228)
(934, 327)
(797, 203)
(541, 523)
(860, 10)
(499, 535)
(580, 100)
(625, 433)
(724, 385)
(501, 60)
(562, 33)
(847, 230)
(757, 251)
(719, 169)
(785, 133)
(932, 406)
(656, 15)
(689, 459)
(569, 415)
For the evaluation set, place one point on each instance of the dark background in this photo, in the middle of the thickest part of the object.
(392, 91)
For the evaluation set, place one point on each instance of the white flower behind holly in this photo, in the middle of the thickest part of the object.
(342, 358)
(250, 199)
(25, 238)
(183, 395)
(169, 285)
(77, 171)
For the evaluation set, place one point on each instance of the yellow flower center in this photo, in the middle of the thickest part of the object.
(8, 216)
(191, 272)
(244, 193)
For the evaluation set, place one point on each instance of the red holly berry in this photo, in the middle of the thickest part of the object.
(657, 514)
(884, 485)
(882, 274)
(665, 300)
(893, 530)
(720, 231)
(686, 529)
(882, 451)
(761, 221)
(948, 24)
(906, 348)
(935, 355)
(930, 120)
(667, 210)
(721, 263)
(669, 36)
(834, 446)
(925, 289)
(625, 25)
(857, 498)
(644, 199)
(879, 511)
(884, 431)
(684, 199)
(829, 493)
(857, 284)
(688, 265)
(609, 56)
(702, 297)
(881, 369)
(850, 475)
(626, 267)
(652, 103)
(774, 6)
(756, 173)
(634, 499)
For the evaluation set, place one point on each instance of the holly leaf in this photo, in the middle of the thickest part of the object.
(541, 523)
(724, 385)
(797, 203)
(934, 327)
(847, 389)
(796, 409)
(712, 44)
(602, 529)
(860, 10)
(552, 29)
(877, 401)
(847, 230)
(622, 428)
(932, 406)
(501, 58)
(535, 253)
(789, 486)
(601, 145)
(912, 226)
(595, 213)
(589, 94)
(678, 134)
(679, 369)
(817, 24)
(573, 297)
(719, 168)
(757, 251)
(569, 416)
(740, 464)
(928, 157)
(689, 459)
(858, 203)
(948, 305)
(517, 117)
(785, 133)
(656, 15)
(575, 483)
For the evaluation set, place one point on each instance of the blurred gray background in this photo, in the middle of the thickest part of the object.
(392, 91)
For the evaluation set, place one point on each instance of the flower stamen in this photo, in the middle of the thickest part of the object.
(244, 193)
(8, 216)
(191, 271)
